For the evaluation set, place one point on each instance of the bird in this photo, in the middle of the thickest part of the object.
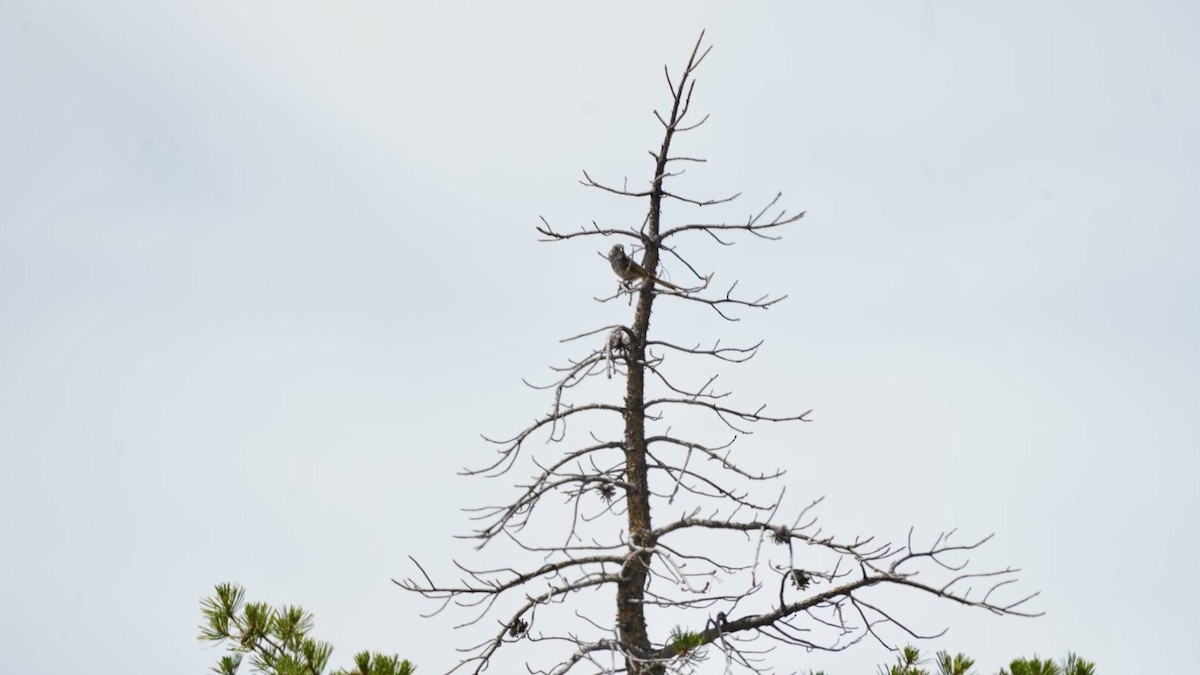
(629, 270)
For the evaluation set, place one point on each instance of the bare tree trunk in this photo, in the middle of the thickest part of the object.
(630, 590)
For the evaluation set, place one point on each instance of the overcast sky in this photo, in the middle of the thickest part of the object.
(268, 269)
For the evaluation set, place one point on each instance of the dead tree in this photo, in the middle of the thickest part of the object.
(758, 577)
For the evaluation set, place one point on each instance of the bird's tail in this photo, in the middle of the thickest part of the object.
(667, 284)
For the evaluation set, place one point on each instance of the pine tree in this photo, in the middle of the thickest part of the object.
(277, 639)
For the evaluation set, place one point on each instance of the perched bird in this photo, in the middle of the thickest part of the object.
(629, 270)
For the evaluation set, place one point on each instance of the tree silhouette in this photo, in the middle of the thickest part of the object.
(722, 565)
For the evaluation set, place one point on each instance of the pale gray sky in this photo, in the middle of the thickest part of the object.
(267, 269)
